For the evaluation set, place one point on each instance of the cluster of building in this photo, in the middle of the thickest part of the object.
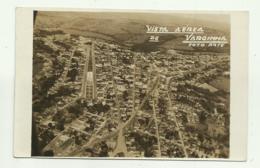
(167, 104)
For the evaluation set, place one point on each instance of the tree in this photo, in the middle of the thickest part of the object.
(147, 105)
(162, 105)
(125, 95)
(104, 149)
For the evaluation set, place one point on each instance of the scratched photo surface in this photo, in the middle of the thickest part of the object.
(135, 85)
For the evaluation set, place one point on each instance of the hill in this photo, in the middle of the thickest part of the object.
(129, 29)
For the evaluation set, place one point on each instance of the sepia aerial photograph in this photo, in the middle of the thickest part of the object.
(138, 85)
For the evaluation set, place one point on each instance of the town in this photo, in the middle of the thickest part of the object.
(93, 98)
